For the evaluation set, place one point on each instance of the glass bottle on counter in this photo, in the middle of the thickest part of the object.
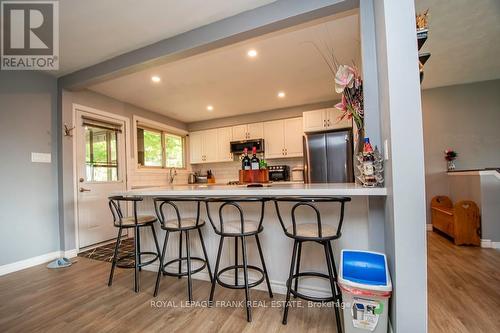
(262, 163)
(255, 160)
(368, 163)
(245, 161)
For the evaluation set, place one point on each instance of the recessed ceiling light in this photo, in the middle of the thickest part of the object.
(155, 78)
(252, 53)
(210, 108)
(281, 94)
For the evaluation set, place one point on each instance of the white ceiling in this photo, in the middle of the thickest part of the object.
(464, 41)
(236, 84)
(92, 31)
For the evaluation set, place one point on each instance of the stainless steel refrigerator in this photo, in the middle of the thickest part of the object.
(328, 157)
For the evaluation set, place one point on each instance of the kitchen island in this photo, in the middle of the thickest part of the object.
(361, 228)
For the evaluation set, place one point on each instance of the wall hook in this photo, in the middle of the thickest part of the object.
(67, 131)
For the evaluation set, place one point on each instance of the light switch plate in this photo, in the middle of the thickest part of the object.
(386, 150)
(41, 157)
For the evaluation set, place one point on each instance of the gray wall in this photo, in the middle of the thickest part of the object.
(290, 112)
(490, 208)
(100, 102)
(465, 118)
(28, 192)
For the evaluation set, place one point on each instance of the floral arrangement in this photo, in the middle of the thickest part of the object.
(450, 155)
(348, 82)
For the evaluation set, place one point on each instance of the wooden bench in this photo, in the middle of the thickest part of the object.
(462, 221)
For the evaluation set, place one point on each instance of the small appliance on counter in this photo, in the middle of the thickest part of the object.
(279, 173)
(298, 173)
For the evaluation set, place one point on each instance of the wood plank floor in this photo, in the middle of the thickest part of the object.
(464, 294)
(78, 300)
(463, 287)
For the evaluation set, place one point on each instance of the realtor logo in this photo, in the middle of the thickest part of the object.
(29, 35)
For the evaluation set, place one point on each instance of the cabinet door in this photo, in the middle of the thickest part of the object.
(239, 132)
(333, 121)
(293, 137)
(210, 145)
(255, 130)
(274, 139)
(224, 137)
(195, 147)
(314, 121)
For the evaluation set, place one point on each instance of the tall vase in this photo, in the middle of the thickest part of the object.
(358, 135)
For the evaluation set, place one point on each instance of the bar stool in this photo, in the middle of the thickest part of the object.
(238, 229)
(137, 222)
(312, 232)
(181, 225)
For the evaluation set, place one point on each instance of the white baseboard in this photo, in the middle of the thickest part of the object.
(277, 287)
(488, 244)
(38, 260)
(428, 227)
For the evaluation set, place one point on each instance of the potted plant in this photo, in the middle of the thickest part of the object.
(450, 156)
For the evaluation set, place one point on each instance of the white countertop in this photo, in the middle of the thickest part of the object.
(337, 189)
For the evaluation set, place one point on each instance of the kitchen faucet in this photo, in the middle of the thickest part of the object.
(171, 175)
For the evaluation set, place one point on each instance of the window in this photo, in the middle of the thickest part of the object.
(158, 149)
(101, 162)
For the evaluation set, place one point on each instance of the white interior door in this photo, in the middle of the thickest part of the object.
(101, 170)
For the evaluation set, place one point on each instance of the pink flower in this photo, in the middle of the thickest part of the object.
(344, 78)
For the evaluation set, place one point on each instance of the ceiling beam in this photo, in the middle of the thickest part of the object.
(262, 20)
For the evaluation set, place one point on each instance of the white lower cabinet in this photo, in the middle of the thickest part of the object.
(283, 138)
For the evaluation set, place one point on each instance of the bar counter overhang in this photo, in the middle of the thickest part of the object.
(363, 228)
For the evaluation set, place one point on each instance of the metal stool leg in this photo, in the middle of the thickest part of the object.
(205, 254)
(160, 269)
(180, 253)
(245, 272)
(298, 268)
(264, 266)
(236, 260)
(188, 253)
(289, 282)
(332, 259)
(156, 241)
(115, 257)
(332, 285)
(214, 281)
(137, 259)
(139, 247)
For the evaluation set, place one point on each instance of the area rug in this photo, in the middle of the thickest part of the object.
(105, 252)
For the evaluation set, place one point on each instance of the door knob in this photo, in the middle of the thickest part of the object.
(84, 189)
(81, 180)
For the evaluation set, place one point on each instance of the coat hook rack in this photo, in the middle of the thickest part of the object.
(68, 131)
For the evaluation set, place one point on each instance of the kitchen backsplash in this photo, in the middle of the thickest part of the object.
(228, 171)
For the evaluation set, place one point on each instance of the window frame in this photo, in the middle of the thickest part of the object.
(164, 130)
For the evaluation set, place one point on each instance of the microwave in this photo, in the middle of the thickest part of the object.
(237, 147)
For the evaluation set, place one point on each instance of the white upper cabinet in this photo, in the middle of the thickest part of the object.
(203, 146)
(239, 132)
(283, 138)
(196, 147)
(314, 121)
(274, 139)
(324, 119)
(249, 131)
(255, 131)
(224, 138)
(293, 137)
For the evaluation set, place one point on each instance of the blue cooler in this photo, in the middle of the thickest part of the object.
(366, 289)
